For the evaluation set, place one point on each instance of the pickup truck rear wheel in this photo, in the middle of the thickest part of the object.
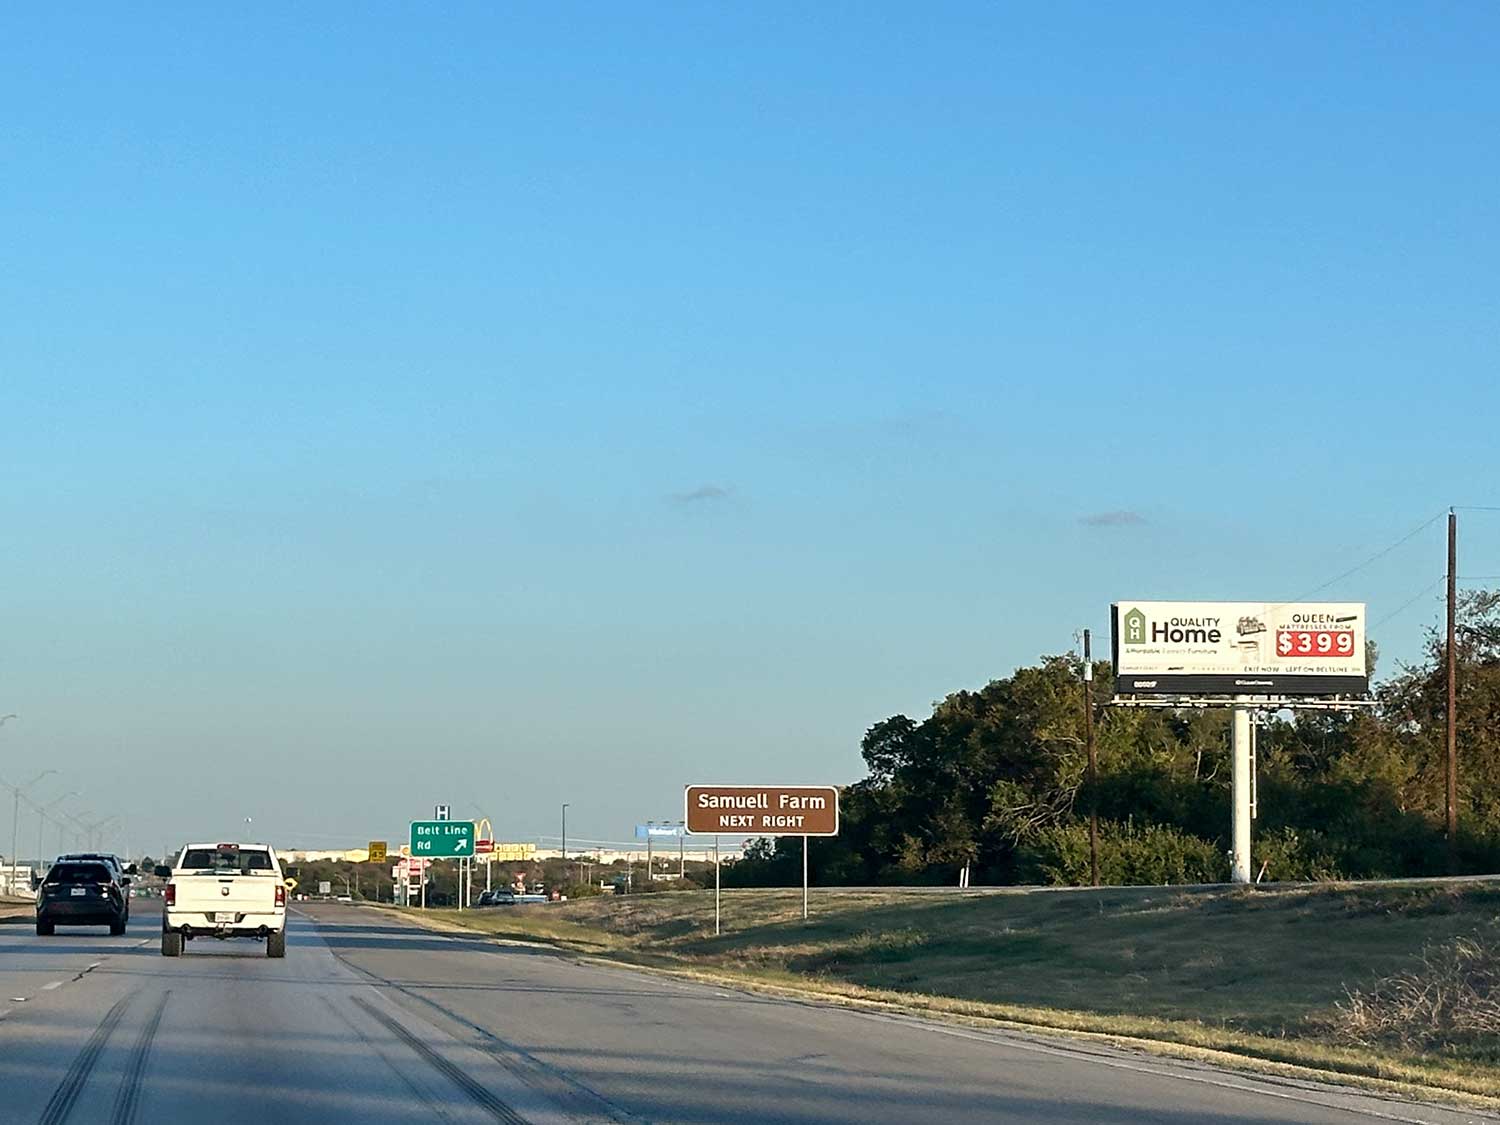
(171, 944)
(45, 929)
(276, 944)
(117, 928)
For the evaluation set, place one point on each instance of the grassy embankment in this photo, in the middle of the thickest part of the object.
(1258, 974)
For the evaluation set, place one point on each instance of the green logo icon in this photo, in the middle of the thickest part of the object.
(1133, 628)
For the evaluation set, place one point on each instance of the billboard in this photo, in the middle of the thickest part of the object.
(763, 810)
(1239, 648)
(657, 831)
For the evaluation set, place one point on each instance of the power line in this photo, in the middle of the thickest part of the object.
(1380, 554)
(1404, 606)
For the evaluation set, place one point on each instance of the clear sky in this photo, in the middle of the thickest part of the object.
(510, 405)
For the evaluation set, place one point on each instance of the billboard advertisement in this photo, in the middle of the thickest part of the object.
(657, 831)
(1239, 648)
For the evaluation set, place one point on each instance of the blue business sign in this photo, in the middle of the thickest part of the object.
(657, 831)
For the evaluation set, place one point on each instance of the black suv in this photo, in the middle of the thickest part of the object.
(103, 857)
(83, 892)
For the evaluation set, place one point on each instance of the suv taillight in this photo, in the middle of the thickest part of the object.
(169, 896)
(280, 896)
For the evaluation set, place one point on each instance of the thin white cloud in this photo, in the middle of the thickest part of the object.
(703, 494)
(1122, 518)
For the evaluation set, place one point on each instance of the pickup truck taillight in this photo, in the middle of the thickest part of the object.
(280, 896)
(169, 896)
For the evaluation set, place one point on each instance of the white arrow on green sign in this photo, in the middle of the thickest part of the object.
(442, 839)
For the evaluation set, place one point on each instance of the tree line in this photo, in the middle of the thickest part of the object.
(997, 779)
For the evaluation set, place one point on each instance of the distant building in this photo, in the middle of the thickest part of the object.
(16, 879)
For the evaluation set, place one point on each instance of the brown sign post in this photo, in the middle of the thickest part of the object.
(762, 810)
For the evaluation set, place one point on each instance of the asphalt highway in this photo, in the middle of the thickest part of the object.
(373, 1021)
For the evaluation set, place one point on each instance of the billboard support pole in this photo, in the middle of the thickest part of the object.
(716, 886)
(1240, 751)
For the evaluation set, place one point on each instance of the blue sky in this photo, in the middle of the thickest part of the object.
(556, 403)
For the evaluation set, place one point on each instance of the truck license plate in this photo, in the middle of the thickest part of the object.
(78, 892)
(223, 917)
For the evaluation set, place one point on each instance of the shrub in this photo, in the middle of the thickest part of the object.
(1129, 854)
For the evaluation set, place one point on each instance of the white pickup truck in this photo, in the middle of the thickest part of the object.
(224, 891)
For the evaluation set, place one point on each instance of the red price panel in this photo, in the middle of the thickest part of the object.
(1314, 642)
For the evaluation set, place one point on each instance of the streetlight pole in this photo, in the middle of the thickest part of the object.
(41, 822)
(15, 823)
(565, 837)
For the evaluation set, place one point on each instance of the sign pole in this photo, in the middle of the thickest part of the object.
(648, 861)
(424, 887)
(716, 886)
(804, 878)
(1240, 750)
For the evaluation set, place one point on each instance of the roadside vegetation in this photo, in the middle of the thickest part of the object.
(995, 779)
(1394, 982)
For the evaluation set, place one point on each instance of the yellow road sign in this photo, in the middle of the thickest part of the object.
(513, 853)
(377, 851)
(289, 884)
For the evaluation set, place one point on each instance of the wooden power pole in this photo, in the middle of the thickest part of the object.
(1451, 773)
(1088, 734)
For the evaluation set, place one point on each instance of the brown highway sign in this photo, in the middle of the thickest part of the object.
(763, 810)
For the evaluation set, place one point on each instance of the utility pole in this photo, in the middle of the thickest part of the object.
(1451, 778)
(565, 834)
(1088, 734)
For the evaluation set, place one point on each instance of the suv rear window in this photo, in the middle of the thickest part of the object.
(78, 873)
(221, 859)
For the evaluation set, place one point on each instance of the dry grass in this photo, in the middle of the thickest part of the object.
(1450, 1002)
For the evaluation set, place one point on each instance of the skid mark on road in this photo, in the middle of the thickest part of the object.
(560, 1087)
(66, 1095)
(417, 1090)
(475, 1092)
(128, 1096)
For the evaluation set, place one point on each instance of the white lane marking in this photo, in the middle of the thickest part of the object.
(147, 941)
(93, 965)
(50, 985)
(18, 999)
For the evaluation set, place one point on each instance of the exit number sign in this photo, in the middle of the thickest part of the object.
(442, 839)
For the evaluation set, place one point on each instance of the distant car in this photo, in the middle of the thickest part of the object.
(82, 893)
(497, 898)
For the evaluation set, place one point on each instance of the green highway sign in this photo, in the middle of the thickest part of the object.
(442, 839)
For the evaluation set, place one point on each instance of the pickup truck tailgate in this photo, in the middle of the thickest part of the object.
(213, 892)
